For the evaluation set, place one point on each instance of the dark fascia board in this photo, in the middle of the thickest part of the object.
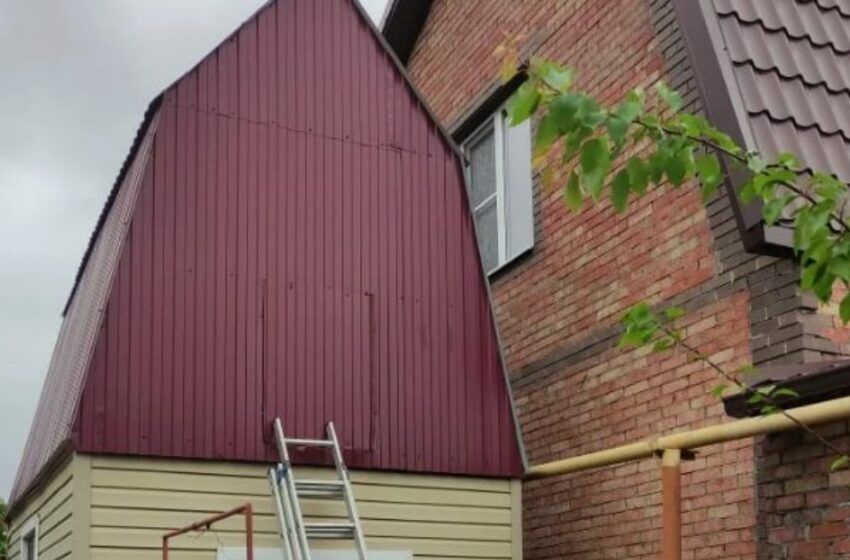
(816, 382)
(402, 23)
(724, 109)
(485, 105)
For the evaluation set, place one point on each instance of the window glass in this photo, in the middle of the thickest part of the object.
(482, 168)
(487, 220)
(498, 177)
(29, 546)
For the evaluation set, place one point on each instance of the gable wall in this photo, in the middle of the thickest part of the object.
(301, 247)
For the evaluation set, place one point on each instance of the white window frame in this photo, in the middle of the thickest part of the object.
(30, 528)
(495, 124)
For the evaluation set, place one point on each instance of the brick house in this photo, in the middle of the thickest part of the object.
(773, 74)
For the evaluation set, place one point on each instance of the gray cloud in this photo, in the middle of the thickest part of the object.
(75, 78)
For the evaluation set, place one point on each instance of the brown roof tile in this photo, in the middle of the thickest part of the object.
(790, 61)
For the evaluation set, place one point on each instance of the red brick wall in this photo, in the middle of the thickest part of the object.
(619, 397)
(804, 509)
(557, 309)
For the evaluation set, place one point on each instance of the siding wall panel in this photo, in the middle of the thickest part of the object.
(135, 500)
(53, 505)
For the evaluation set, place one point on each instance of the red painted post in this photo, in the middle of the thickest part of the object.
(249, 532)
(671, 507)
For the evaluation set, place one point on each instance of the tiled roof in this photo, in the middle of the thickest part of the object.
(791, 64)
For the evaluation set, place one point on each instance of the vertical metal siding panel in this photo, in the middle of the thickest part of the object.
(220, 318)
(111, 364)
(180, 187)
(168, 386)
(135, 329)
(207, 181)
(242, 273)
(191, 380)
(158, 274)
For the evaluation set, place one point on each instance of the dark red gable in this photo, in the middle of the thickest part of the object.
(296, 242)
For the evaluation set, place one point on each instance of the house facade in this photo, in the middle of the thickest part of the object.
(289, 237)
(771, 74)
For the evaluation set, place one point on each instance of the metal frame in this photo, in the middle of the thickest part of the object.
(245, 509)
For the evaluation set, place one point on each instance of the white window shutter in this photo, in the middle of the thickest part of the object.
(519, 204)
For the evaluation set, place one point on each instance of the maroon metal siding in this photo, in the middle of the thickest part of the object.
(301, 246)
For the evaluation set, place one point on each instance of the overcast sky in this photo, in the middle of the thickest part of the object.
(75, 78)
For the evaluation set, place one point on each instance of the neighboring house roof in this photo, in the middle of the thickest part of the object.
(290, 236)
(791, 64)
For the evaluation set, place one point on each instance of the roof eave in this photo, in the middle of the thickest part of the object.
(402, 23)
(723, 107)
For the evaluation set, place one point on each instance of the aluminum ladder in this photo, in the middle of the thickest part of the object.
(287, 493)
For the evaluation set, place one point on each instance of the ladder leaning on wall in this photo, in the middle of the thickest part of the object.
(287, 493)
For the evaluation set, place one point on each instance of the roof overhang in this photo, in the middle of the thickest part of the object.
(814, 383)
(402, 22)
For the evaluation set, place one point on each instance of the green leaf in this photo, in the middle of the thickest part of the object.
(556, 76)
(786, 392)
(664, 344)
(595, 162)
(563, 110)
(710, 175)
(670, 96)
(623, 117)
(772, 210)
(719, 390)
(547, 133)
(680, 166)
(620, 190)
(840, 463)
(844, 309)
(523, 103)
(572, 192)
(638, 174)
(673, 313)
(756, 163)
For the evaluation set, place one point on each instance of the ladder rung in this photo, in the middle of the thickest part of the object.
(309, 442)
(329, 530)
(319, 488)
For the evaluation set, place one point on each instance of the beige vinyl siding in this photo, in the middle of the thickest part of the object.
(54, 506)
(134, 501)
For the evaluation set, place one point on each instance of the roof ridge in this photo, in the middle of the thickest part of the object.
(798, 76)
(791, 119)
(757, 21)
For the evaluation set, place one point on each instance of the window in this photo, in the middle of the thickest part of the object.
(498, 176)
(29, 541)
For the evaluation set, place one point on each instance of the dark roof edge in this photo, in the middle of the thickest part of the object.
(723, 107)
(402, 23)
(153, 106)
(56, 461)
(814, 383)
